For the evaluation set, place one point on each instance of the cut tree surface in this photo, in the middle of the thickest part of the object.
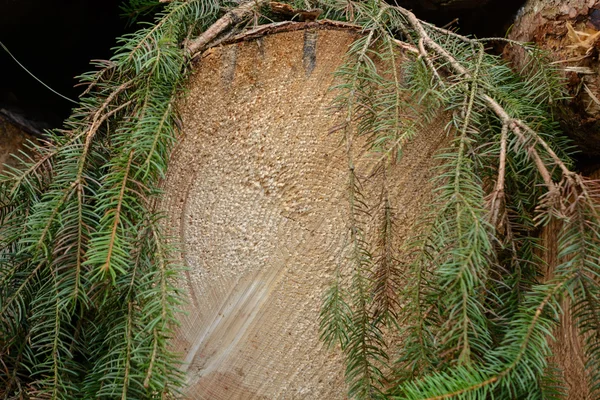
(568, 353)
(256, 196)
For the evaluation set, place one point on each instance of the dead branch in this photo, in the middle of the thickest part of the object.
(497, 200)
(239, 14)
(516, 126)
(425, 56)
(519, 128)
(516, 129)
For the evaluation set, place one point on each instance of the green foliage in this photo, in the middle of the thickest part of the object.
(133, 10)
(86, 276)
(458, 310)
(467, 298)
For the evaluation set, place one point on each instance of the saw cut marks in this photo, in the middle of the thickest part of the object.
(256, 196)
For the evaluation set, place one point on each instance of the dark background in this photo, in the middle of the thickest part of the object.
(56, 39)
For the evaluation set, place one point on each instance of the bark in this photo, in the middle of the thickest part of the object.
(13, 139)
(568, 29)
(567, 348)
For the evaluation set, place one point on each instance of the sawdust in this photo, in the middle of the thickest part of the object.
(256, 196)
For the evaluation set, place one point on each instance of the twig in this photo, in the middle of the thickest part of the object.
(591, 94)
(285, 26)
(416, 23)
(565, 170)
(98, 118)
(514, 127)
(497, 196)
(233, 17)
(425, 56)
(449, 32)
(35, 77)
(406, 46)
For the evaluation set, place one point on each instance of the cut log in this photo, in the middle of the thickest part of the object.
(256, 196)
(569, 30)
(567, 348)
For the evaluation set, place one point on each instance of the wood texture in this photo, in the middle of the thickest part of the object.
(12, 140)
(558, 26)
(561, 26)
(256, 196)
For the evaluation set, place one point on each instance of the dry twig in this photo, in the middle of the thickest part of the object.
(231, 18)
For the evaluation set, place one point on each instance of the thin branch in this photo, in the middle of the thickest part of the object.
(117, 217)
(233, 17)
(425, 56)
(497, 196)
(516, 128)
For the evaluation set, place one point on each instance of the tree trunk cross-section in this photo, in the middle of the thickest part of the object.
(256, 195)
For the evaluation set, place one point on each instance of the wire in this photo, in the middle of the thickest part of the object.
(35, 77)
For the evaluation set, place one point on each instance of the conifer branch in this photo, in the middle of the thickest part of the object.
(481, 107)
(245, 10)
(386, 275)
(82, 250)
(497, 196)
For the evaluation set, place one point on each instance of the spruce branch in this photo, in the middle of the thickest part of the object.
(515, 125)
(335, 314)
(83, 252)
(453, 72)
(85, 200)
(387, 276)
(496, 198)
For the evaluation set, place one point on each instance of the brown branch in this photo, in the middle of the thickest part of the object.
(287, 26)
(449, 32)
(152, 360)
(425, 56)
(514, 125)
(47, 157)
(538, 139)
(516, 128)
(406, 46)
(233, 17)
(497, 196)
(113, 236)
(430, 43)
